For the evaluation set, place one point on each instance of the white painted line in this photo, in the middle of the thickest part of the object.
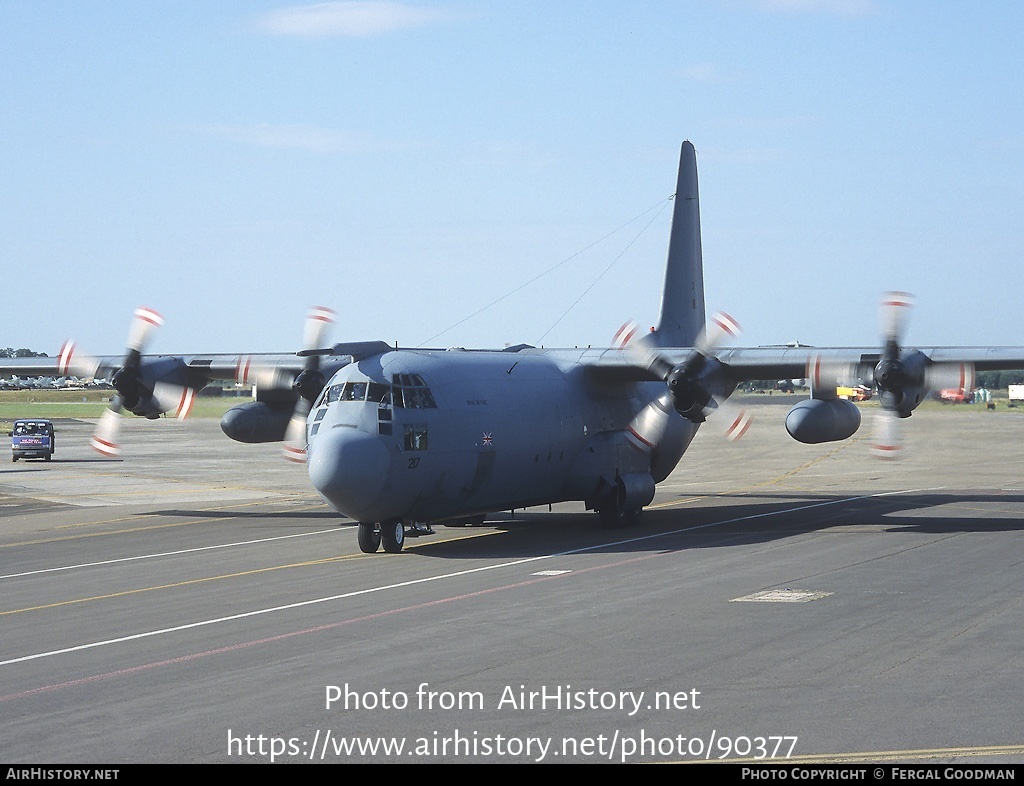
(168, 553)
(440, 577)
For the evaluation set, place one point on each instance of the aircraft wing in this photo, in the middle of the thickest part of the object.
(737, 365)
(792, 362)
(284, 384)
(752, 363)
(198, 370)
(699, 381)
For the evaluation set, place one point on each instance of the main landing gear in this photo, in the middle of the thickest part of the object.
(391, 534)
(617, 510)
(622, 501)
(615, 516)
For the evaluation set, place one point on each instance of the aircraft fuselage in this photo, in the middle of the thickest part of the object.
(434, 435)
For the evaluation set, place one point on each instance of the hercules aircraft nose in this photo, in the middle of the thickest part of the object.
(349, 468)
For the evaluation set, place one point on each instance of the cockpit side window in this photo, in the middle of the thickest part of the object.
(426, 400)
(379, 394)
(415, 437)
(409, 391)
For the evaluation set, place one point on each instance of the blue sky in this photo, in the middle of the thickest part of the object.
(231, 164)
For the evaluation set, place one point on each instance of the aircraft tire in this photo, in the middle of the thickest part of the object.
(616, 518)
(392, 535)
(369, 538)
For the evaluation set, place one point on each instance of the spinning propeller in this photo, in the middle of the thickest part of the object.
(698, 386)
(902, 378)
(309, 382)
(306, 385)
(894, 378)
(134, 393)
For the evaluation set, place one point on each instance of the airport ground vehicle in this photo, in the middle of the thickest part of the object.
(32, 439)
(853, 393)
(956, 396)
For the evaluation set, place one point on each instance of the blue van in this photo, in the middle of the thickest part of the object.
(32, 439)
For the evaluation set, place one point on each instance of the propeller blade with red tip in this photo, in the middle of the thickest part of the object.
(718, 332)
(318, 321)
(893, 378)
(250, 373)
(823, 373)
(894, 313)
(175, 400)
(694, 390)
(72, 363)
(132, 390)
(885, 441)
(308, 383)
(733, 420)
(144, 322)
(294, 446)
(104, 438)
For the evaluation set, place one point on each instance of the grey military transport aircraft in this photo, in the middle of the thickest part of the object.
(402, 439)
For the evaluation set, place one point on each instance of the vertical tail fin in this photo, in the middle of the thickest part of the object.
(682, 303)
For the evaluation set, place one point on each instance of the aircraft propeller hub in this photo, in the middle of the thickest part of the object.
(126, 382)
(890, 375)
(309, 383)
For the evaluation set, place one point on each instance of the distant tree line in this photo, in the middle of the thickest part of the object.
(8, 352)
(768, 384)
(998, 380)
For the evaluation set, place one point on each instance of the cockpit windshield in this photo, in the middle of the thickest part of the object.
(407, 391)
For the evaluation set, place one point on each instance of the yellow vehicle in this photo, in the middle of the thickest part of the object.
(857, 393)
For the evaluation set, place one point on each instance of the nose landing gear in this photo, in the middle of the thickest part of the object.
(392, 535)
(369, 538)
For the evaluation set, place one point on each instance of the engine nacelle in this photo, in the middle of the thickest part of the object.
(257, 421)
(146, 406)
(142, 389)
(661, 433)
(816, 420)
